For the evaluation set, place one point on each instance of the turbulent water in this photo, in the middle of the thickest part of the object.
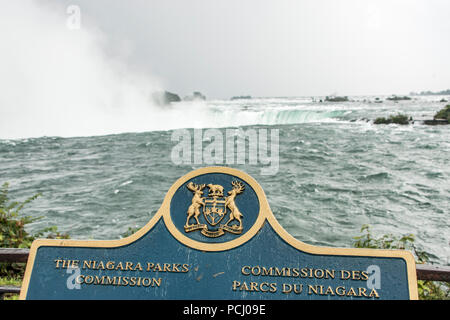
(337, 171)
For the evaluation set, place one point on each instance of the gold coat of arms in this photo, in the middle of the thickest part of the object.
(214, 208)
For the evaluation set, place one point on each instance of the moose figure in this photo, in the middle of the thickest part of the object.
(235, 214)
(197, 201)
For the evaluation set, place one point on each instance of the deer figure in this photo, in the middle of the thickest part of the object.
(235, 214)
(197, 202)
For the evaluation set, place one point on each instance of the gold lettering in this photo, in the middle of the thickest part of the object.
(111, 280)
(329, 274)
(157, 267)
(273, 287)
(166, 267)
(119, 266)
(329, 291)
(283, 272)
(146, 282)
(57, 261)
(318, 273)
(75, 264)
(245, 273)
(312, 289)
(110, 265)
(88, 279)
(304, 272)
(340, 291)
(298, 288)
(261, 287)
(98, 280)
(351, 292)
(364, 275)
(101, 265)
(266, 272)
(287, 272)
(129, 266)
(175, 267)
(244, 287)
(79, 279)
(278, 272)
(362, 292)
(345, 275)
(374, 293)
(253, 286)
(185, 268)
(356, 275)
(287, 288)
(256, 273)
(157, 282)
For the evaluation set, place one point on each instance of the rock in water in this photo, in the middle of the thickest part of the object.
(163, 98)
(240, 97)
(398, 98)
(435, 122)
(336, 99)
(196, 95)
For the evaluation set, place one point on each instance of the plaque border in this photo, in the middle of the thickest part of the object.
(265, 213)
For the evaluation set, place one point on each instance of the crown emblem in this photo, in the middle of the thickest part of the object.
(213, 210)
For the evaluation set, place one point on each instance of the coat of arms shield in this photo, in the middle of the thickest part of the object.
(214, 207)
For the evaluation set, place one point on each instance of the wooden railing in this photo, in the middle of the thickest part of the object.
(424, 271)
(10, 255)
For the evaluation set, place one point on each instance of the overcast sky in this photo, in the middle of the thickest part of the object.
(278, 47)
